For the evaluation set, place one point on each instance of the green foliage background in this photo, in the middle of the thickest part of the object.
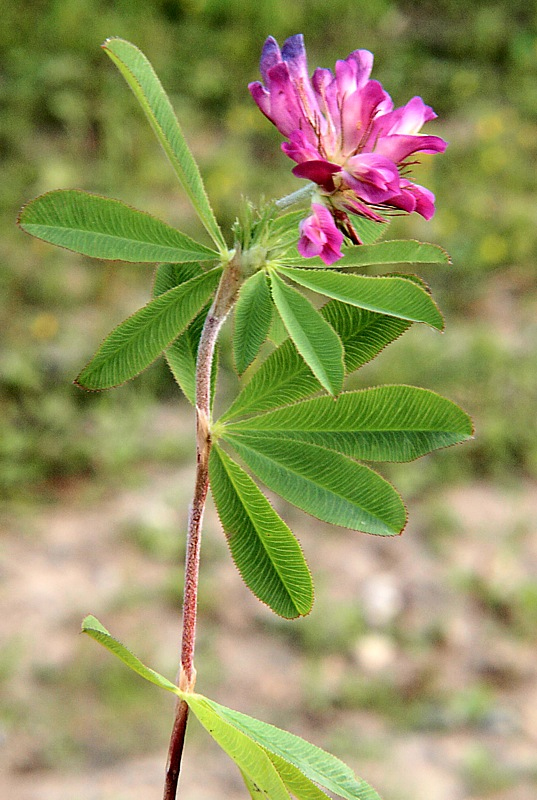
(68, 120)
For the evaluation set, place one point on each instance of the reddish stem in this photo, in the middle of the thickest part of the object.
(224, 300)
(175, 752)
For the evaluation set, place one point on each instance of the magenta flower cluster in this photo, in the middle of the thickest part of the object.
(346, 136)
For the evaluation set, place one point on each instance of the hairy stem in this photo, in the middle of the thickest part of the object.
(296, 197)
(223, 302)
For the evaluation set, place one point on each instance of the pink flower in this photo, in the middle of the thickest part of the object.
(319, 236)
(344, 133)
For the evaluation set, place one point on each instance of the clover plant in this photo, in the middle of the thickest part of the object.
(292, 426)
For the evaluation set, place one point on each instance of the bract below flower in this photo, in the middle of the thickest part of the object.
(319, 236)
(344, 133)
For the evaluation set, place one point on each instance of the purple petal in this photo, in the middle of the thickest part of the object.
(286, 110)
(319, 236)
(421, 199)
(358, 111)
(404, 202)
(399, 147)
(294, 55)
(353, 73)
(270, 56)
(408, 119)
(320, 172)
(261, 97)
(374, 178)
(325, 87)
(279, 99)
(357, 69)
(299, 148)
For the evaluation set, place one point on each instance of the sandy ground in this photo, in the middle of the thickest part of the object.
(426, 632)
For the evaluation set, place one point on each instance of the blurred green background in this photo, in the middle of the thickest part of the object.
(104, 466)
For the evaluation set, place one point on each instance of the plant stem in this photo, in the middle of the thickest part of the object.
(223, 302)
(175, 751)
(300, 194)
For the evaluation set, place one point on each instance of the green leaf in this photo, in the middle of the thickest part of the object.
(253, 790)
(284, 229)
(140, 339)
(316, 341)
(93, 628)
(368, 230)
(168, 276)
(386, 423)
(364, 333)
(325, 484)
(253, 314)
(316, 764)
(154, 101)
(269, 758)
(182, 353)
(105, 228)
(278, 332)
(253, 762)
(394, 296)
(296, 783)
(265, 551)
(283, 237)
(402, 251)
(284, 378)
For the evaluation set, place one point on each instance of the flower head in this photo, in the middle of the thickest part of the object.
(344, 134)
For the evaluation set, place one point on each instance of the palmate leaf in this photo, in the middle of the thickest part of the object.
(326, 484)
(401, 251)
(253, 314)
(296, 764)
(316, 341)
(265, 551)
(105, 228)
(182, 353)
(284, 378)
(272, 761)
(250, 757)
(386, 423)
(394, 296)
(154, 101)
(140, 339)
